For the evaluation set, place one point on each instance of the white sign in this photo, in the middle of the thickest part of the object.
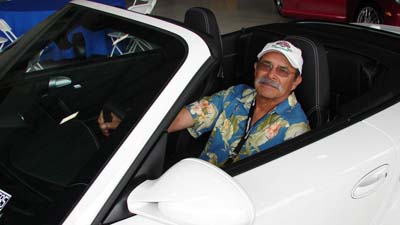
(4, 198)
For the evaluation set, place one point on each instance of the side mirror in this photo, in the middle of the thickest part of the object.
(192, 192)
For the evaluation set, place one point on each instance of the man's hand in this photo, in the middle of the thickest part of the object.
(107, 127)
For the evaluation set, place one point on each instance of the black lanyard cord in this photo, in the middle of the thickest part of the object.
(245, 136)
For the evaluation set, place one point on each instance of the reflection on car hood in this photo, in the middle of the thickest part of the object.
(389, 28)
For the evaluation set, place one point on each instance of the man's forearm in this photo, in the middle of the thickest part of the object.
(182, 121)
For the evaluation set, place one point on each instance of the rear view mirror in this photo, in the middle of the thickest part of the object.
(192, 192)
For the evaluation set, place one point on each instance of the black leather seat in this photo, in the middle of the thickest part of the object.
(204, 22)
(314, 91)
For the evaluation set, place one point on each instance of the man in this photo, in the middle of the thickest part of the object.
(244, 120)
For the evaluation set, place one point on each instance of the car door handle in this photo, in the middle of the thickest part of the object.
(370, 182)
(61, 81)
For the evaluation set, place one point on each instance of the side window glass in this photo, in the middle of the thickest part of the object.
(125, 43)
(85, 38)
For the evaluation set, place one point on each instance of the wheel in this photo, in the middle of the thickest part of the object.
(279, 6)
(369, 13)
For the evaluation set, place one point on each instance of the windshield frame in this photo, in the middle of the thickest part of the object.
(198, 53)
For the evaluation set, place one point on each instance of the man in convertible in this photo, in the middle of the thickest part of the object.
(246, 120)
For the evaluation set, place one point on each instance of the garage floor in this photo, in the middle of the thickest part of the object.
(231, 14)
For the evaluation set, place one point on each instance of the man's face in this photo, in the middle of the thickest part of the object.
(275, 78)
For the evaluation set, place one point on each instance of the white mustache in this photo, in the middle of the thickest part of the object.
(264, 80)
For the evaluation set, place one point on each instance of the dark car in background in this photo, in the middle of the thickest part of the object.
(364, 11)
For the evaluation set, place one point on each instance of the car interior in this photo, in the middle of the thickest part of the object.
(342, 83)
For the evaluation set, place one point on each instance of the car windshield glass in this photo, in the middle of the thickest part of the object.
(84, 63)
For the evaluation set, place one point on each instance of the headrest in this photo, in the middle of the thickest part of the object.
(202, 20)
(314, 91)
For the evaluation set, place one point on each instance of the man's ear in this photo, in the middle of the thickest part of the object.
(296, 82)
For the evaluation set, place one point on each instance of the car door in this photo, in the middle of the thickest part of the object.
(316, 9)
(350, 177)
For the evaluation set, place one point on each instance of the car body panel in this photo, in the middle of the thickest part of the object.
(317, 181)
(109, 178)
(293, 185)
(316, 9)
(321, 194)
(139, 220)
(390, 215)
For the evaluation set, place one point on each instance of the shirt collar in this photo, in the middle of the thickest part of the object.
(286, 106)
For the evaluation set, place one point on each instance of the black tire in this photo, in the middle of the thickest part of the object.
(279, 6)
(369, 13)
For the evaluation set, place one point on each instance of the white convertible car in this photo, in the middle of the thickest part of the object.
(57, 168)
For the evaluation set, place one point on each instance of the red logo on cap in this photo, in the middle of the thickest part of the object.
(283, 45)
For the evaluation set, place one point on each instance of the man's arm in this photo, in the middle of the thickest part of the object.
(182, 121)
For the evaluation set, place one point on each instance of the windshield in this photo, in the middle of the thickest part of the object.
(84, 62)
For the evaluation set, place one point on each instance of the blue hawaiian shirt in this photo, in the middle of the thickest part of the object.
(226, 112)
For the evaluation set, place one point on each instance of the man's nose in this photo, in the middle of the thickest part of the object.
(271, 74)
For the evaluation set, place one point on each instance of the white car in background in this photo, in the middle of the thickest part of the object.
(57, 168)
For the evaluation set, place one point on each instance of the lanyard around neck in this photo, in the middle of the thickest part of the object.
(249, 119)
(245, 135)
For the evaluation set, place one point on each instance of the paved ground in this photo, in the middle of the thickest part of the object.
(231, 14)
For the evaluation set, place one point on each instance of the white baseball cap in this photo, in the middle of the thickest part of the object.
(292, 53)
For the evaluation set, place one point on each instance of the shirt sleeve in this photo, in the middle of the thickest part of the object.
(206, 111)
(296, 129)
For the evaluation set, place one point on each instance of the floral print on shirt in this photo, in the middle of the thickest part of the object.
(225, 114)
